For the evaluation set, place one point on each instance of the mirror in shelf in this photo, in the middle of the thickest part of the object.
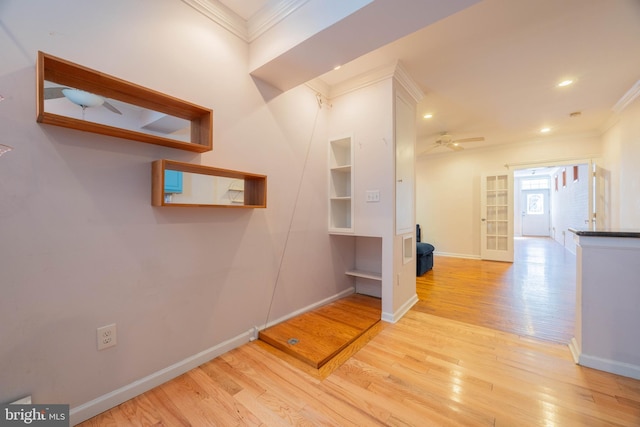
(77, 97)
(185, 184)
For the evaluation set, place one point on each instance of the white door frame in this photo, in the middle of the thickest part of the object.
(559, 163)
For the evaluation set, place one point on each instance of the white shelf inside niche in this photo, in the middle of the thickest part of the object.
(364, 274)
(341, 185)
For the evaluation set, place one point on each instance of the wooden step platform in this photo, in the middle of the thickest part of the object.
(317, 336)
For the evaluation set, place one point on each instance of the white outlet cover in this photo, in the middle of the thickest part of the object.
(106, 336)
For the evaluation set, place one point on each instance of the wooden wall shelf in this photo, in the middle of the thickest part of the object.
(205, 186)
(162, 119)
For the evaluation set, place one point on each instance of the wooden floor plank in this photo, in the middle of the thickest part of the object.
(533, 296)
(453, 367)
(324, 332)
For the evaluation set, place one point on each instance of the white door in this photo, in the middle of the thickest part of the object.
(598, 198)
(534, 205)
(496, 222)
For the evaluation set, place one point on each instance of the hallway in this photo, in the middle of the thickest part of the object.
(534, 296)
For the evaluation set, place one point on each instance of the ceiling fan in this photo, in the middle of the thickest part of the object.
(446, 140)
(79, 97)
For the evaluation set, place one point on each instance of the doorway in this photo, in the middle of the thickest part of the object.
(535, 213)
(549, 200)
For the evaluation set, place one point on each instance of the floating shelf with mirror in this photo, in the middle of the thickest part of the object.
(78, 97)
(205, 186)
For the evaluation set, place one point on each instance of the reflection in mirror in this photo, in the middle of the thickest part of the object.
(78, 104)
(197, 189)
(185, 184)
(77, 97)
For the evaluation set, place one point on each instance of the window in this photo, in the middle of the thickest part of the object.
(535, 184)
(535, 204)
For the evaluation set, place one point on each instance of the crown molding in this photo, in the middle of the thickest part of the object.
(319, 86)
(405, 79)
(627, 98)
(221, 15)
(360, 81)
(385, 72)
(263, 20)
(270, 15)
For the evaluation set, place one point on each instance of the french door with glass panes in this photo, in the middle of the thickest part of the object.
(496, 222)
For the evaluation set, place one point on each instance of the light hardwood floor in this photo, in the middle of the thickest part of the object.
(425, 370)
(535, 296)
(321, 334)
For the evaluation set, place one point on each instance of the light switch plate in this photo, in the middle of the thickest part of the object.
(373, 196)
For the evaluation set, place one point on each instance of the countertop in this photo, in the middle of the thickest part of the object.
(606, 233)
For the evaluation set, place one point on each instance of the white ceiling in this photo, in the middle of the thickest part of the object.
(491, 70)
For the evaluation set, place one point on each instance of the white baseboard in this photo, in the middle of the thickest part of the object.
(612, 366)
(107, 401)
(452, 255)
(601, 364)
(129, 391)
(397, 315)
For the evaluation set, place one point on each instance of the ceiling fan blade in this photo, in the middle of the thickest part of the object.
(111, 108)
(53, 92)
(476, 139)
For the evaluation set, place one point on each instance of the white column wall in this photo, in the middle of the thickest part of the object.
(622, 175)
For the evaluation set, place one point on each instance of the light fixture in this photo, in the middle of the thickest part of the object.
(4, 149)
(565, 83)
(337, 67)
(545, 130)
(428, 116)
(82, 98)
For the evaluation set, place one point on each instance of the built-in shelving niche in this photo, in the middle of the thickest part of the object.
(206, 186)
(341, 173)
(77, 97)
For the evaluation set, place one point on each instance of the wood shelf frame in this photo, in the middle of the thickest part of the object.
(68, 74)
(255, 186)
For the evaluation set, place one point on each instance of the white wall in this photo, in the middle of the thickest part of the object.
(81, 245)
(367, 114)
(448, 186)
(570, 205)
(621, 172)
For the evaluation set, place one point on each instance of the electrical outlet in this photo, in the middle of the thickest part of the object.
(106, 336)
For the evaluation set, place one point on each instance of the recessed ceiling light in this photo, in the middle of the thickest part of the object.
(428, 116)
(337, 67)
(565, 83)
(545, 130)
